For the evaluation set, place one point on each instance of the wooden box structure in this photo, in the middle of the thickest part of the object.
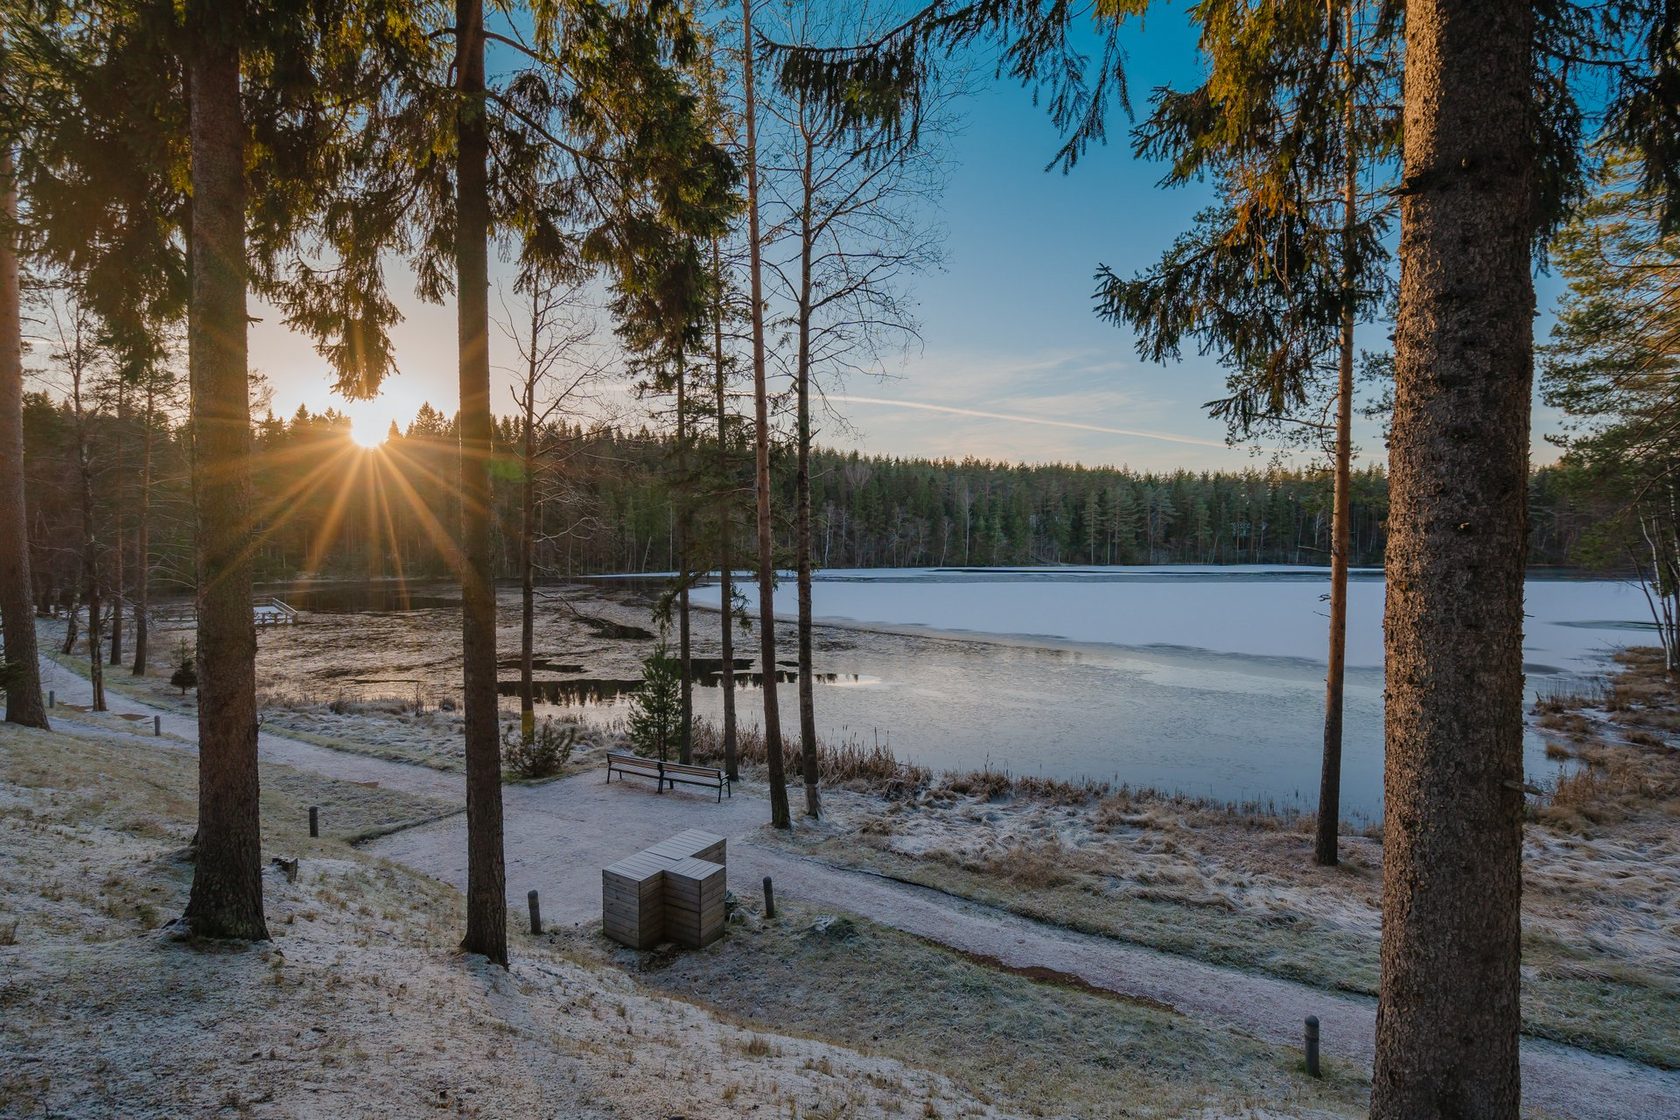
(633, 900)
(693, 843)
(671, 891)
(694, 902)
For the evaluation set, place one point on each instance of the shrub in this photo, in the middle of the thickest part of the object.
(544, 753)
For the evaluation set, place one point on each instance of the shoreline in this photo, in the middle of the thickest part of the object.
(1233, 885)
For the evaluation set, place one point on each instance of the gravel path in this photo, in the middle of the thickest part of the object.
(560, 834)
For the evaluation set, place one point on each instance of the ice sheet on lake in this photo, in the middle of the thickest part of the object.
(1246, 611)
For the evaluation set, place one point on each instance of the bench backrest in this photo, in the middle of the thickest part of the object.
(633, 760)
(697, 771)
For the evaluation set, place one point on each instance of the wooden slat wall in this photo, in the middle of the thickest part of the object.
(672, 890)
(694, 890)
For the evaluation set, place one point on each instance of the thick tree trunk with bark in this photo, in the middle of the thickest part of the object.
(726, 579)
(1448, 1017)
(226, 898)
(779, 816)
(486, 873)
(24, 703)
(1330, 776)
(802, 500)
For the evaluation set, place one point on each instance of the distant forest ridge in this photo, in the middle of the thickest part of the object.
(609, 502)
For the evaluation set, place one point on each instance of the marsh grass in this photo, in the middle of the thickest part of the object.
(1629, 766)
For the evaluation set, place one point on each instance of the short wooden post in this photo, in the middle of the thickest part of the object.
(769, 898)
(157, 726)
(1312, 1046)
(536, 913)
(314, 821)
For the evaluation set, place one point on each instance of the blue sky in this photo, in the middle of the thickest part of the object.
(1014, 365)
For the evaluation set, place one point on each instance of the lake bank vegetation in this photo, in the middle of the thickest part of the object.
(1225, 883)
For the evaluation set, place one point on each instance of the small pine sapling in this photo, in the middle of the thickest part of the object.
(185, 675)
(655, 722)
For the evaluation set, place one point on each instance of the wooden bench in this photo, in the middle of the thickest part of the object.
(709, 776)
(622, 764)
(668, 773)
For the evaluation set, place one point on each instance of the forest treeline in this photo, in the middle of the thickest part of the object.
(326, 507)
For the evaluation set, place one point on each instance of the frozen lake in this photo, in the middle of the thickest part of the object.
(1207, 681)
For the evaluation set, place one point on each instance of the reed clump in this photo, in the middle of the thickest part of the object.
(848, 764)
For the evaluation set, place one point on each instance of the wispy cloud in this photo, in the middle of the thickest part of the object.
(1018, 418)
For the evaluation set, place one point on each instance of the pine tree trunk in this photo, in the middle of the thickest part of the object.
(226, 898)
(779, 816)
(24, 704)
(802, 500)
(1448, 1016)
(726, 559)
(143, 543)
(73, 616)
(527, 540)
(90, 552)
(1330, 777)
(685, 738)
(486, 874)
(120, 474)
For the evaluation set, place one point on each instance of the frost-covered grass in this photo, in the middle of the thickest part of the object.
(153, 688)
(1602, 876)
(393, 729)
(1028, 1046)
(359, 1006)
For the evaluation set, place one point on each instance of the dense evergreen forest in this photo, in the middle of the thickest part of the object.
(608, 503)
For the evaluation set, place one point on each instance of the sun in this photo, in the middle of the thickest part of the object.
(370, 421)
(366, 431)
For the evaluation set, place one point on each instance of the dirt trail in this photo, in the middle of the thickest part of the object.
(560, 835)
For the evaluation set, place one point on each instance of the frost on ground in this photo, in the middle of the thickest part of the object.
(1601, 871)
(1030, 1041)
(357, 1007)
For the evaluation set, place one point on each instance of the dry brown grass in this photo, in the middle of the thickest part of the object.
(1566, 723)
(1616, 782)
(1628, 767)
(852, 764)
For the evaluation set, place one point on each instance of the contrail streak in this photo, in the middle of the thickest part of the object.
(1015, 419)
